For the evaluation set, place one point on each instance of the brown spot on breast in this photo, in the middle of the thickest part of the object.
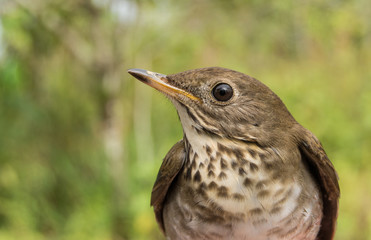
(247, 182)
(253, 167)
(195, 156)
(283, 199)
(262, 157)
(261, 184)
(269, 166)
(203, 186)
(241, 172)
(201, 165)
(238, 153)
(275, 210)
(212, 185)
(256, 212)
(243, 161)
(202, 190)
(188, 174)
(224, 149)
(211, 174)
(221, 147)
(234, 165)
(223, 163)
(216, 207)
(222, 176)
(197, 177)
(208, 150)
(279, 192)
(212, 159)
(210, 167)
(238, 197)
(252, 153)
(222, 192)
(263, 194)
(193, 165)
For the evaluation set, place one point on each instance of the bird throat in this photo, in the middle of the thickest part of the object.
(235, 181)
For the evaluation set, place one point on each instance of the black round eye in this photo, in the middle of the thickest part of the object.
(222, 92)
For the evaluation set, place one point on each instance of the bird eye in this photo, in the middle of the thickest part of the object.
(222, 92)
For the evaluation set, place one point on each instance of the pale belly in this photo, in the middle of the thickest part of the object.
(241, 201)
(186, 221)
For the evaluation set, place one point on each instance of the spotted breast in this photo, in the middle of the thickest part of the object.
(234, 190)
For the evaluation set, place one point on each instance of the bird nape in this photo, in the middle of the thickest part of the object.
(245, 169)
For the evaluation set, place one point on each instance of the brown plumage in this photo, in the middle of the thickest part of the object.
(245, 168)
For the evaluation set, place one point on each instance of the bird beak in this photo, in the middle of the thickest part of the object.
(159, 82)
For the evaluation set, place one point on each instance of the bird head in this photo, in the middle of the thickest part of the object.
(223, 103)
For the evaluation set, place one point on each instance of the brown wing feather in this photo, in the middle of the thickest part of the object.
(170, 167)
(326, 177)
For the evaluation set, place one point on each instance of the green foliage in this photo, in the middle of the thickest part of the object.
(81, 141)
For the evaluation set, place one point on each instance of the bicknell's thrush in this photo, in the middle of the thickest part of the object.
(245, 169)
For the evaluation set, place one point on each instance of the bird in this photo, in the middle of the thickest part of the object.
(245, 168)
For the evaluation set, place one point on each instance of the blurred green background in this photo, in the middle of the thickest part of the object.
(81, 141)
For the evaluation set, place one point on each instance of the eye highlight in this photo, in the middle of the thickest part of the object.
(222, 92)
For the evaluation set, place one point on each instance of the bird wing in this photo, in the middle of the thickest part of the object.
(325, 175)
(170, 167)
